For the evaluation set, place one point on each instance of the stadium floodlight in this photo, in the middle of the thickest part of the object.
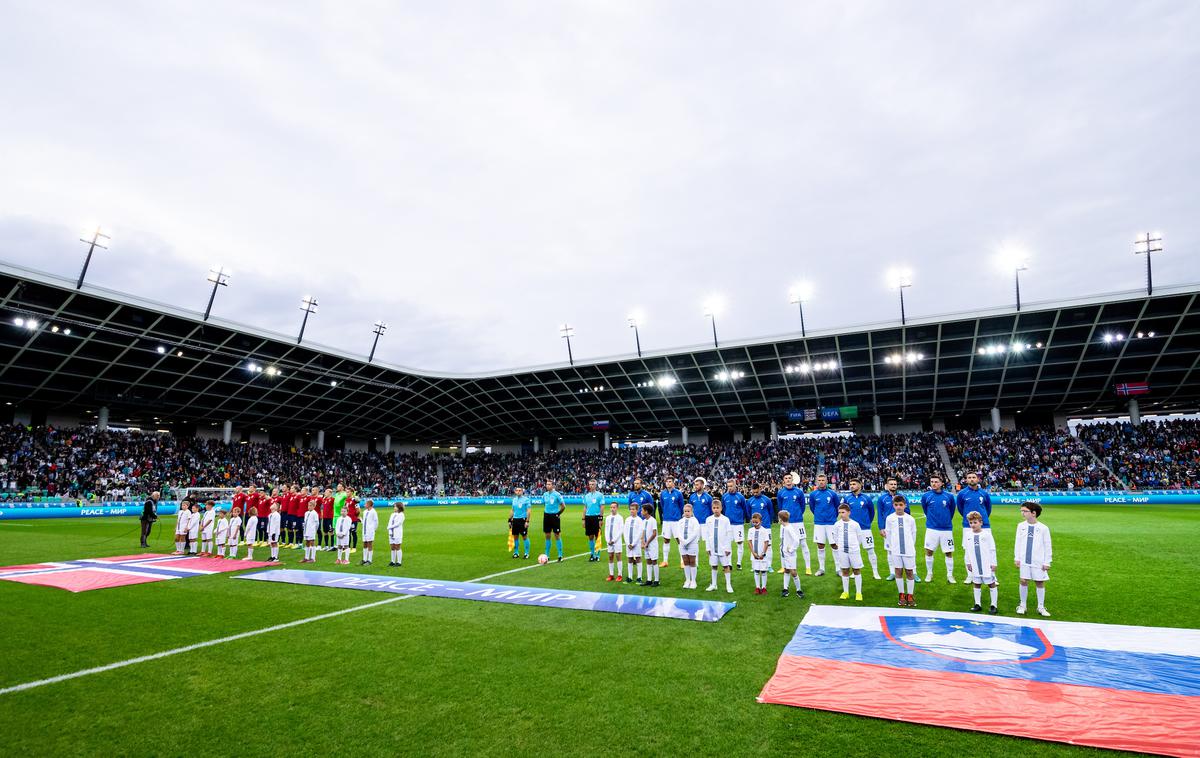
(800, 292)
(567, 331)
(1145, 244)
(219, 278)
(333, 382)
(900, 279)
(378, 329)
(1108, 338)
(161, 350)
(634, 320)
(666, 382)
(712, 306)
(308, 304)
(92, 244)
(1016, 261)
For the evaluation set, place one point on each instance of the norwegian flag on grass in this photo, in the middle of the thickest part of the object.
(120, 571)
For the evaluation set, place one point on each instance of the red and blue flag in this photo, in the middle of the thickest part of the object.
(1120, 687)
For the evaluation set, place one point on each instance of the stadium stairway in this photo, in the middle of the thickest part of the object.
(951, 472)
(1124, 484)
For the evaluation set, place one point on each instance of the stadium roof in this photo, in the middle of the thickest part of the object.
(962, 364)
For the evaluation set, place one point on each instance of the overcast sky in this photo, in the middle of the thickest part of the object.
(475, 174)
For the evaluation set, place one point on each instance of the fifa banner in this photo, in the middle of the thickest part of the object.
(1119, 687)
(170, 507)
(689, 609)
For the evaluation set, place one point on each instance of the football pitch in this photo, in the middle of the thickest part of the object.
(433, 676)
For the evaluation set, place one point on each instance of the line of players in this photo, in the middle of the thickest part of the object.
(213, 532)
(842, 522)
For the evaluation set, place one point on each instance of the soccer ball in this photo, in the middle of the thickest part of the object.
(543, 559)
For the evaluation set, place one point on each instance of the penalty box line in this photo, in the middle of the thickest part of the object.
(239, 636)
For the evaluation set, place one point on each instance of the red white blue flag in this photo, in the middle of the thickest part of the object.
(121, 571)
(1121, 687)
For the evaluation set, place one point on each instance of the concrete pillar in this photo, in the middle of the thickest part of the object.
(227, 431)
(1135, 415)
(995, 419)
(387, 443)
(607, 441)
(683, 435)
(537, 445)
(462, 447)
(877, 425)
(774, 430)
(102, 419)
(321, 439)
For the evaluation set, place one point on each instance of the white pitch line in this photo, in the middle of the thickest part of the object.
(234, 637)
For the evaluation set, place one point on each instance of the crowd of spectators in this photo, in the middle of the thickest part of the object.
(1035, 458)
(88, 464)
(1153, 455)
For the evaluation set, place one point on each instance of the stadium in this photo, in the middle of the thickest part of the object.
(832, 538)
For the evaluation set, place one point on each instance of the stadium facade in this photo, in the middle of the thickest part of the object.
(92, 355)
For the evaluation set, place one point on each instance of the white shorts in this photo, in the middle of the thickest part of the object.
(850, 560)
(343, 542)
(651, 551)
(694, 549)
(823, 534)
(193, 534)
(988, 578)
(397, 538)
(182, 531)
(718, 559)
(369, 536)
(737, 533)
(272, 537)
(868, 540)
(1033, 573)
(220, 542)
(310, 534)
(207, 534)
(937, 539)
(760, 565)
(788, 561)
(633, 551)
(902, 562)
(671, 530)
(614, 548)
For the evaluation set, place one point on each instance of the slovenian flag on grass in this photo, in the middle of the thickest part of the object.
(1121, 687)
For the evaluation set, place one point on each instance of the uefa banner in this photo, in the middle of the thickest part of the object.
(169, 507)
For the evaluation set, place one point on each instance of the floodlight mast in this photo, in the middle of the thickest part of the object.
(797, 296)
(711, 307)
(901, 279)
(92, 244)
(637, 338)
(309, 305)
(1145, 244)
(379, 329)
(567, 331)
(219, 278)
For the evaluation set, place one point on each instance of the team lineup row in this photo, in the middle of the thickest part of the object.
(844, 523)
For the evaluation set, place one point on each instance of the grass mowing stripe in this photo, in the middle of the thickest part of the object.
(235, 637)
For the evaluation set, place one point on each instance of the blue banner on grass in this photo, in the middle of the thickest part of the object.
(638, 605)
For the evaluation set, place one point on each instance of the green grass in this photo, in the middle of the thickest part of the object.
(433, 676)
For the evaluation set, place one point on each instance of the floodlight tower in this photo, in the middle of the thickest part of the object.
(633, 321)
(800, 292)
(309, 305)
(567, 331)
(1145, 244)
(219, 278)
(92, 244)
(712, 307)
(379, 329)
(900, 279)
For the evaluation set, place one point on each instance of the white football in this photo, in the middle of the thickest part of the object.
(543, 559)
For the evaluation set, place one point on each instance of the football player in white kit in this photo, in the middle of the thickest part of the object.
(650, 545)
(194, 528)
(207, 519)
(791, 538)
(902, 550)
(251, 528)
(370, 522)
(273, 523)
(759, 540)
(717, 540)
(689, 545)
(222, 529)
(847, 544)
(395, 528)
(182, 517)
(1032, 554)
(235, 532)
(980, 550)
(312, 522)
(633, 544)
(614, 535)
